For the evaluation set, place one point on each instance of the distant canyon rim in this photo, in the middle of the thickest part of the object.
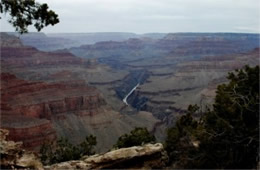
(72, 85)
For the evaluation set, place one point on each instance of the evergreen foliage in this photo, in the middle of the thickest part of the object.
(225, 137)
(28, 12)
(64, 151)
(138, 136)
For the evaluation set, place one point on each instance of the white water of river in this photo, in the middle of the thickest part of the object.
(125, 99)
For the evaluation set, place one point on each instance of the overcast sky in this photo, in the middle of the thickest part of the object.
(142, 16)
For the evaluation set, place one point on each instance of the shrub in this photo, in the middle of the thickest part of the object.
(228, 135)
(64, 151)
(138, 136)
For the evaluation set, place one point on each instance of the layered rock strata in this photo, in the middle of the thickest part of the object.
(52, 87)
(42, 100)
(27, 108)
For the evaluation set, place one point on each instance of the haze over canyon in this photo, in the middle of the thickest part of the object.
(72, 85)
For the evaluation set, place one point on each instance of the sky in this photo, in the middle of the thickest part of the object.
(146, 16)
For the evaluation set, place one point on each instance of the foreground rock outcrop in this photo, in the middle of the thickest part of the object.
(149, 156)
(13, 157)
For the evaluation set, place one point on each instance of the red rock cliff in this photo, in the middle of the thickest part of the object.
(27, 107)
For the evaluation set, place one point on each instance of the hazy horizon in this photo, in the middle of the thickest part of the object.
(30, 32)
(152, 16)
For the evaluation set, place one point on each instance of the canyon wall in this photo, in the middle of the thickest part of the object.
(181, 68)
(48, 95)
(27, 108)
(81, 95)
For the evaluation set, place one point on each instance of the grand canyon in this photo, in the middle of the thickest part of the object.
(112, 84)
(106, 84)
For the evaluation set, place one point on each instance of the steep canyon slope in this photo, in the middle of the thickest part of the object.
(48, 95)
(180, 69)
(80, 90)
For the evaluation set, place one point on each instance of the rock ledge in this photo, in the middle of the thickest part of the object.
(13, 157)
(149, 156)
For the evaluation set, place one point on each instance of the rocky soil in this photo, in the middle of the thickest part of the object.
(14, 157)
(149, 156)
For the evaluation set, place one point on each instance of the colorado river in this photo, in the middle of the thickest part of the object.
(125, 99)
